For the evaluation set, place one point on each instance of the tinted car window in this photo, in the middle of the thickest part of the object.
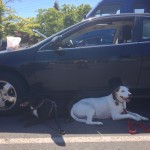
(86, 38)
(98, 37)
(104, 33)
(146, 29)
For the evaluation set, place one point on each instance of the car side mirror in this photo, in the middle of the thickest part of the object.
(56, 42)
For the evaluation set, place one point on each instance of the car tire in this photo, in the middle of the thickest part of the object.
(12, 89)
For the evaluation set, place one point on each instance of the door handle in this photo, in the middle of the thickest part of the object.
(80, 61)
(125, 56)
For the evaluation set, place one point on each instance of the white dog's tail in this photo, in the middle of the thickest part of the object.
(75, 117)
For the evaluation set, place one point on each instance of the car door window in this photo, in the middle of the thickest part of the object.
(91, 38)
(93, 35)
(115, 32)
(96, 37)
(146, 29)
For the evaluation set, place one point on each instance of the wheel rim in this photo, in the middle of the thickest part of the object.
(8, 96)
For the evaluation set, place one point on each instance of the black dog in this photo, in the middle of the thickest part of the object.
(41, 111)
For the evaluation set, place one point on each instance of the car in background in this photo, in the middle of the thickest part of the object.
(79, 62)
(107, 7)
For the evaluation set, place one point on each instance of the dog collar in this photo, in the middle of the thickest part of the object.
(115, 99)
(117, 102)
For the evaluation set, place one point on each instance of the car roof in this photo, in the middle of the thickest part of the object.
(122, 15)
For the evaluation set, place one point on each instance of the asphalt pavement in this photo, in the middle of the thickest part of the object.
(112, 135)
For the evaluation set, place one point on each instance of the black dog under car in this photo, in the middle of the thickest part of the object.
(41, 110)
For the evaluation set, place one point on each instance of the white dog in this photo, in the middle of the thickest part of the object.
(111, 106)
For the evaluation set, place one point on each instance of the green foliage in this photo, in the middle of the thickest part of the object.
(27, 25)
(48, 21)
(7, 19)
(1, 8)
(52, 21)
(82, 10)
(1, 15)
(70, 15)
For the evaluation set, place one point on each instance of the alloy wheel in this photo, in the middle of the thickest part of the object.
(8, 96)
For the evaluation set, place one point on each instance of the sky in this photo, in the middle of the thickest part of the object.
(27, 8)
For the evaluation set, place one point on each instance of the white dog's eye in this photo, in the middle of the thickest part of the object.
(122, 91)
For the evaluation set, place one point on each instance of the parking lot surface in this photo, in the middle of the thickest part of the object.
(112, 135)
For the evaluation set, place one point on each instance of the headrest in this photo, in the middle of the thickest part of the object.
(126, 32)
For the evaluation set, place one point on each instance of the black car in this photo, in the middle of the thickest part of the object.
(80, 61)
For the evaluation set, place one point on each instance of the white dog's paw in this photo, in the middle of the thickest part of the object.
(99, 123)
(137, 118)
(145, 119)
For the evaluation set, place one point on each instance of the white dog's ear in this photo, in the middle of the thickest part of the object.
(115, 83)
(115, 92)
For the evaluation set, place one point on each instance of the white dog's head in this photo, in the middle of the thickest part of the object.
(122, 94)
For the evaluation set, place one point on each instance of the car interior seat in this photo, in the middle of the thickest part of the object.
(125, 34)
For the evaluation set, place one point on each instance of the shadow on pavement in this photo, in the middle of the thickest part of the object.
(11, 124)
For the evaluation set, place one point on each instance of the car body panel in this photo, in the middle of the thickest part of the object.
(20, 62)
(88, 68)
